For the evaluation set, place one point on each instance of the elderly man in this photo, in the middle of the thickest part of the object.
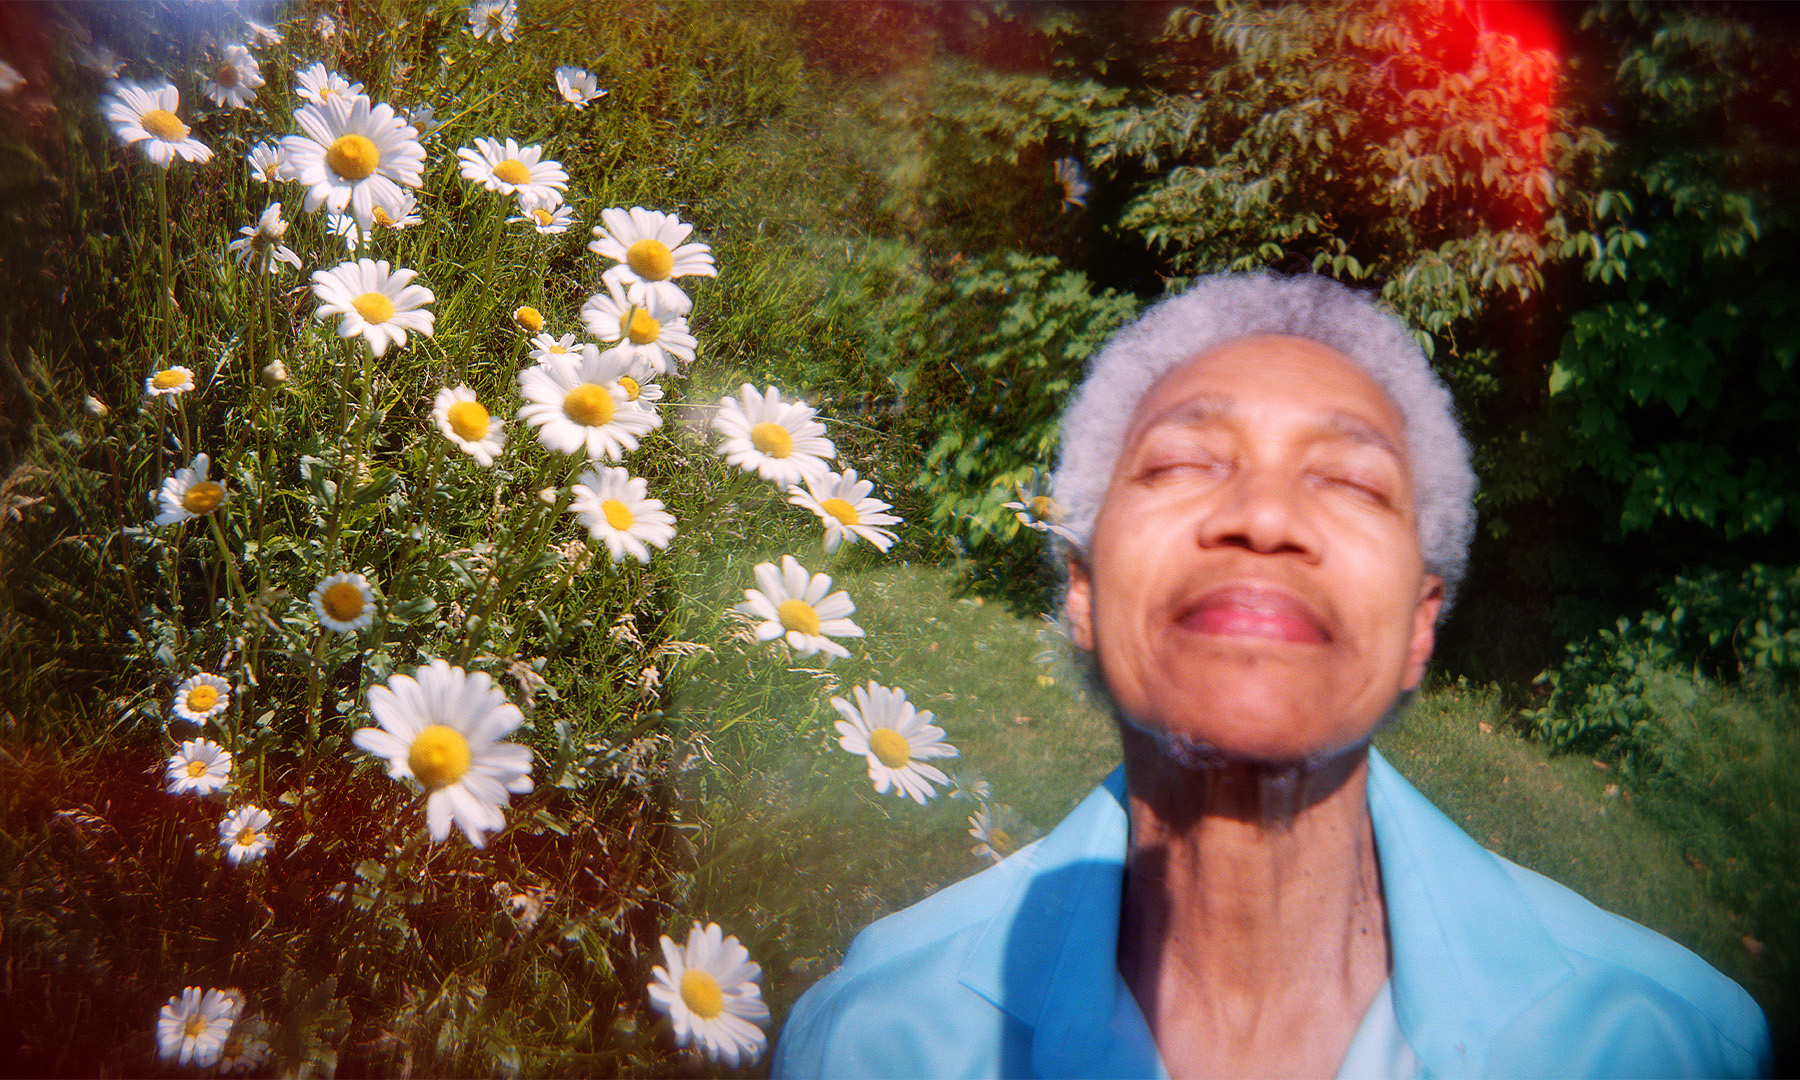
(1271, 505)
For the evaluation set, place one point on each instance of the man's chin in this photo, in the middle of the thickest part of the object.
(1190, 751)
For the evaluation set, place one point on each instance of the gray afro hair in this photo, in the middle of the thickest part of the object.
(1225, 307)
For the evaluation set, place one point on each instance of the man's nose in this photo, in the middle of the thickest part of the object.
(1265, 512)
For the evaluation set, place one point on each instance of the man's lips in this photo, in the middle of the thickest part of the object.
(1255, 611)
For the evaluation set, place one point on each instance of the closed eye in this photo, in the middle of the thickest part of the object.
(1369, 489)
(1186, 464)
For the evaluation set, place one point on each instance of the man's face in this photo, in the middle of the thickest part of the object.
(1254, 584)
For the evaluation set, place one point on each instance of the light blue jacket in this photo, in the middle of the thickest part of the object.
(1497, 971)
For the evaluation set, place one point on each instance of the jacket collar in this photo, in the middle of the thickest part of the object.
(1468, 955)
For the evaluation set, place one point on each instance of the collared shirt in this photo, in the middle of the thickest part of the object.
(1497, 971)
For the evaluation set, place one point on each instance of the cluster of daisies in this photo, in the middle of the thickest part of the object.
(442, 729)
(210, 1028)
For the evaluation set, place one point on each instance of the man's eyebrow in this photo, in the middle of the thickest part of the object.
(1205, 408)
(1356, 429)
(1200, 409)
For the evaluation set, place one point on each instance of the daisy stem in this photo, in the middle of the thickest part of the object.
(738, 485)
(346, 475)
(496, 585)
(165, 299)
(243, 602)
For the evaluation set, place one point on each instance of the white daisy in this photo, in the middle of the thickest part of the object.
(192, 1027)
(100, 60)
(261, 243)
(354, 154)
(440, 728)
(895, 738)
(344, 602)
(318, 83)
(465, 422)
(201, 767)
(1035, 509)
(511, 169)
(792, 606)
(170, 381)
(639, 379)
(262, 35)
(970, 784)
(710, 995)
(235, 81)
(244, 834)
(616, 508)
(423, 117)
(578, 86)
(376, 303)
(189, 494)
(403, 216)
(530, 319)
(546, 222)
(578, 404)
(779, 441)
(545, 347)
(998, 831)
(246, 1048)
(648, 246)
(146, 115)
(201, 697)
(846, 508)
(652, 332)
(490, 19)
(267, 165)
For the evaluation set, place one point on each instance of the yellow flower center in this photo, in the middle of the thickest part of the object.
(343, 602)
(496, 19)
(558, 349)
(202, 698)
(618, 515)
(1043, 508)
(227, 75)
(1001, 841)
(530, 318)
(196, 769)
(469, 420)
(650, 259)
(374, 307)
(246, 836)
(701, 994)
(842, 510)
(203, 498)
(772, 439)
(352, 157)
(632, 389)
(168, 378)
(544, 217)
(195, 1026)
(798, 615)
(439, 756)
(380, 217)
(163, 124)
(513, 171)
(890, 747)
(589, 405)
(640, 327)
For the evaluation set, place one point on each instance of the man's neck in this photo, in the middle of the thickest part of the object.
(1253, 934)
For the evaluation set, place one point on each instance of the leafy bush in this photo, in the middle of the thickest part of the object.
(984, 361)
(1626, 687)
